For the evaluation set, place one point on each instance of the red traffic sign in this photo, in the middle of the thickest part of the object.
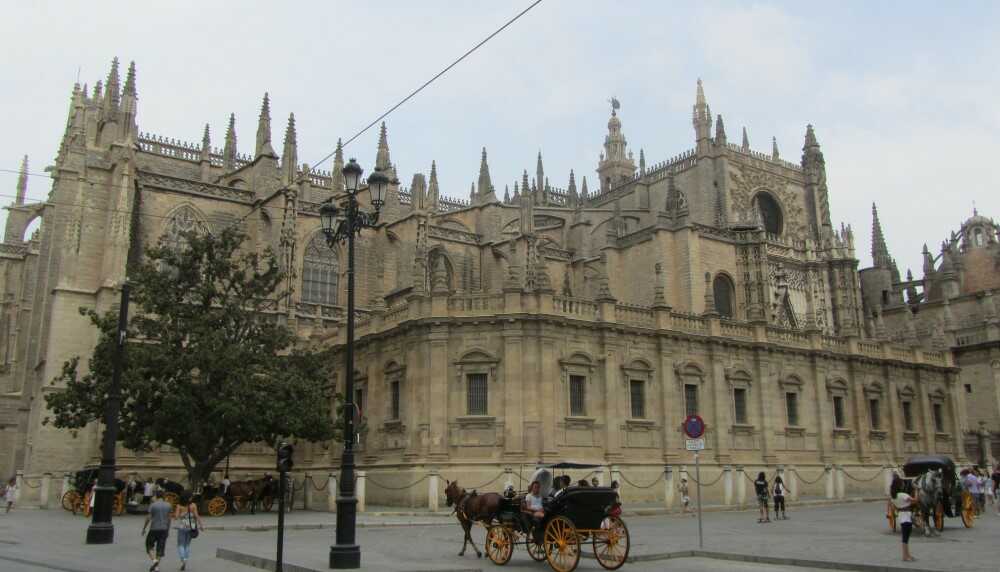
(694, 426)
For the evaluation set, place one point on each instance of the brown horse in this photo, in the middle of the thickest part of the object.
(471, 507)
(253, 491)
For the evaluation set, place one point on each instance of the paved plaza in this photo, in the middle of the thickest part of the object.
(855, 533)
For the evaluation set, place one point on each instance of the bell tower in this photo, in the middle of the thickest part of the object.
(616, 164)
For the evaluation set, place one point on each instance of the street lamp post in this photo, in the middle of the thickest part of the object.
(339, 226)
(101, 529)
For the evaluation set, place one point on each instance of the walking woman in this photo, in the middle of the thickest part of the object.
(761, 488)
(10, 493)
(188, 523)
(779, 499)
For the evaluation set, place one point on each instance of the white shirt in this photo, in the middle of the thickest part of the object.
(972, 484)
(533, 502)
(902, 502)
(147, 489)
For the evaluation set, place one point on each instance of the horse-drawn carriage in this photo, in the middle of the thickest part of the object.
(77, 499)
(573, 516)
(933, 481)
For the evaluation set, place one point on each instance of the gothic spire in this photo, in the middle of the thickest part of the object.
(382, 161)
(774, 149)
(112, 91)
(506, 194)
(433, 191)
(337, 175)
(129, 89)
(642, 161)
(264, 130)
(229, 151)
(206, 145)
(880, 252)
(539, 171)
(746, 140)
(701, 115)
(22, 181)
(289, 155)
(720, 132)
(810, 138)
(485, 185)
(573, 200)
(583, 189)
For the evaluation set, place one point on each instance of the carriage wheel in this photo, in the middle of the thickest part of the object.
(612, 544)
(85, 508)
(118, 504)
(890, 514)
(968, 510)
(499, 544)
(172, 498)
(535, 551)
(266, 503)
(217, 506)
(70, 500)
(562, 545)
(939, 516)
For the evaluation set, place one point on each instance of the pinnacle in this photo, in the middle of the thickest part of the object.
(206, 138)
(290, 129)
(774, 149)
(746, 140)
(130, 80)
(720, 129)
(880, 252)
(700, 94)
(22, 181)
(811, 137)
(265, 108)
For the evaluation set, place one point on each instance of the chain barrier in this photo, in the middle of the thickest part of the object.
(487, 483)
(27, 482)
(392, 488)
(630, 483)
(317, 488)
(808, 482)
(848, 475)
(695, 481)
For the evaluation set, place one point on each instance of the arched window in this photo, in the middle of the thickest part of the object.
(978, 234)
(770, 213)
(319, 273)
(722, 288)
(183, 221)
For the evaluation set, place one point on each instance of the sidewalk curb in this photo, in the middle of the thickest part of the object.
(317, 526)
(774, 560)
(269, 564)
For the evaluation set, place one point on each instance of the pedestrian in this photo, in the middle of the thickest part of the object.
(996, 486)
(685, 495)
(761, 488)
(779, 499)
(93, 497)
(981, 499)
(904, 504)
(971, 483)
(158, 522)
(617, 490)
(147, 492)
(10, 493)
(594, 482)
(188, 523)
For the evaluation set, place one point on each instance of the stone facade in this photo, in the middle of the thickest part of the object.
(545, 324)
(952, 308)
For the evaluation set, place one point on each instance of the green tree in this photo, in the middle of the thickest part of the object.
(209, 366)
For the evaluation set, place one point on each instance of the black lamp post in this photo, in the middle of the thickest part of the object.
(101, 529)
(338, 226)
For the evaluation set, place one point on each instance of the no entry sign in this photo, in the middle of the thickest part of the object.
(694, 426)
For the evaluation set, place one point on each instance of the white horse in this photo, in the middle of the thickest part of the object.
(929, 490)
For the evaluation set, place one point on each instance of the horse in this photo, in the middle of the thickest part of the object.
(253, 491)
(929, 488)
(471, 507)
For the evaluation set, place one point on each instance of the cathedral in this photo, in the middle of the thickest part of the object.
(529, 323)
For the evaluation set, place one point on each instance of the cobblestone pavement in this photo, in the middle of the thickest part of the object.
(33, 540)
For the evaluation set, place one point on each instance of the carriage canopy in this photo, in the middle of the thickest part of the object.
(920, 464)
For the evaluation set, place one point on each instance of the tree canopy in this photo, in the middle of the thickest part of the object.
(209, 365)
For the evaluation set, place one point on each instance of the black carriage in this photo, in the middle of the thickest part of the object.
(954, 501)
(573, 516)
(77, 499)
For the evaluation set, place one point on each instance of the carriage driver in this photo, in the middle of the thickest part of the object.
(531, 507)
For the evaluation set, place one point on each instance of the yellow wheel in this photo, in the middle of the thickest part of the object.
(217, 506)
(118, 504)
(939, 516)
(172, 498)
(562, 545)
(611, 544)
(535, 551)
(70, 500)
(968, 510)
(499, 544)
(890, 514)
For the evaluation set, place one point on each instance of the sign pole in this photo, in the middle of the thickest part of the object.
(697, 478)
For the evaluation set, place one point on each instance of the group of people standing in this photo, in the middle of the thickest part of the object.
(983, 487)
(762, 489)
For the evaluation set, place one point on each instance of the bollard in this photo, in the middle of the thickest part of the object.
(20, 486)
(433, 498)
(306, 492)
(65, 486)
(741, 486)
(840, 482)
(828, 475)
(668, 487)
(43, 501)
(888, 478)
(792, 484)
(360, 490)
(616, 475)
(727, 485)
(331, 493)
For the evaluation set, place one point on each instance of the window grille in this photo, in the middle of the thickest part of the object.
(690, 400)
(477, 394)
(938, 412)
(873, 413)
(740, 404)
(838, 412)
(907, 416)
(577, 395)
(394, 400)
(792, 405)
(637, 390)
(319, 273)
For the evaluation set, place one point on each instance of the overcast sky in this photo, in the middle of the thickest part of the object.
(903, 95)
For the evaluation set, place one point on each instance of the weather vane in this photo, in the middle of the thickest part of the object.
(615, 104)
